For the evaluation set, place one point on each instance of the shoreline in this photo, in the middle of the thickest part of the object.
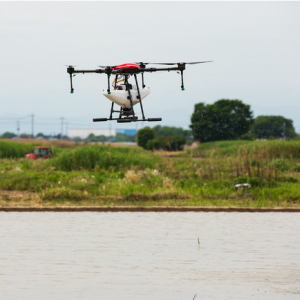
(145, 209)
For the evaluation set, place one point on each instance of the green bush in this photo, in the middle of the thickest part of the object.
(170, 143)
(249, 136)
(144, 135)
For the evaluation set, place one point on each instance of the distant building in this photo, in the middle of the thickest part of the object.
(126, 131)
(84, 133)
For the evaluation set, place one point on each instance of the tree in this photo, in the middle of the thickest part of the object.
(144, 135)
(40, 135)
(167, 131)
(223, 120)
(25, 136)
(173, 131)
(8, 135)
(265, 127)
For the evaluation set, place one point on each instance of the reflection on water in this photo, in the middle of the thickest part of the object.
(130, 256)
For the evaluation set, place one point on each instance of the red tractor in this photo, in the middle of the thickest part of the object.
(39, 152)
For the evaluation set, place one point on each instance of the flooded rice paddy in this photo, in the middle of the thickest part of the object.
(130, 256)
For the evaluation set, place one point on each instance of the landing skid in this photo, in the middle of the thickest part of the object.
(127, 120)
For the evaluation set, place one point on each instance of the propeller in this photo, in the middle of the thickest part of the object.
(71, 66)
(142, 64)
(183, 63)
(105, 67)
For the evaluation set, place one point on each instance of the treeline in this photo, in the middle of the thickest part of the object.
(232, 120)
(40, 135)
(164, 137)
(223, 120)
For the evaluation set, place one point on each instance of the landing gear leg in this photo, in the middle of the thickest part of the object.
(139, 96)
(111, 110)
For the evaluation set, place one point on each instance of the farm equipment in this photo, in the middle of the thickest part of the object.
(39, 152)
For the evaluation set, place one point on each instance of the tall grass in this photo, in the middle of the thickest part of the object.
(260, 149)
(18, 150)
(104, 157)
(13, 150)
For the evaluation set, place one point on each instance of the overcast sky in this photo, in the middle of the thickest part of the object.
(255, 47)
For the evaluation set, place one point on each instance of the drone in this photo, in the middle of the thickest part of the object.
(125, 94)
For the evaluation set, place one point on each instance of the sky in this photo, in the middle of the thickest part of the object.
(254, 46)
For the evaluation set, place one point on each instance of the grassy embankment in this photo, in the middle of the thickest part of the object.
(104, 175)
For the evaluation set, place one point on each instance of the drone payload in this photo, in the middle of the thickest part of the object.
(125, 94)
(119, 94)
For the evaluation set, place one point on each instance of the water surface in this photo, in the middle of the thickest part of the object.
(128, 256)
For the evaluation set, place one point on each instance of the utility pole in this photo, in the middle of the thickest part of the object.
(67, 129)
(284, 130)
(32, 125)
(62, 127)
(18, 128)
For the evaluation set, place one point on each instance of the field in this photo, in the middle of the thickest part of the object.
(101, 175)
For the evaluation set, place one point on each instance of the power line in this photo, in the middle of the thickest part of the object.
(12, 118)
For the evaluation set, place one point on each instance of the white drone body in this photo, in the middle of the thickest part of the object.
(120, 96)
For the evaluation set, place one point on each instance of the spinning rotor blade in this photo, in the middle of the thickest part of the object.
(183, 63)
(142, 64)
(107, 67)
(71, 66)
(198, 62)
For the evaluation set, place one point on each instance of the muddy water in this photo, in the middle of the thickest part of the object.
(130, 256)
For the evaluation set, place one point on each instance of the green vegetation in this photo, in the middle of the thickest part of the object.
(223, 120)
(266, 127)
(8, 135)
(103, 157)
(227, 120)
(13, 150)
(206, 175)
(147, 139)
(168, 143)
(172, 131)
(18, 150)
(144, 135)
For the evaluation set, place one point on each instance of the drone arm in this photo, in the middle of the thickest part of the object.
(72, 72)
(89, 71)
(150, 70)
(180, 68)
